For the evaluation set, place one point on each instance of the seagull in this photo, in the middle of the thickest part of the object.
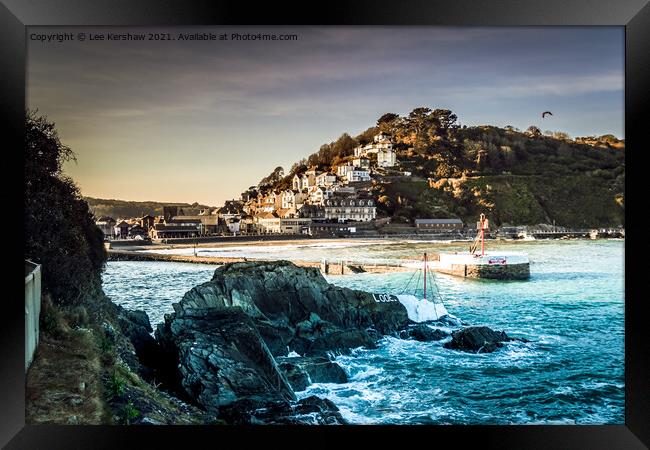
(546, 112)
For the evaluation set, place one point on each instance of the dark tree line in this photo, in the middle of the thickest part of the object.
(60, 230)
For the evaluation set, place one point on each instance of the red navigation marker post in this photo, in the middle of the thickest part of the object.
(482, 225)
(482, 236)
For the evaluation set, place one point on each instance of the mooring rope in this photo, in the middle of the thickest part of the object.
(409, 282)
(433, 279)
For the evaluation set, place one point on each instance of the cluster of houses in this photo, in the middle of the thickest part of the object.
(318, 203)
(175, 222)
(297, 211)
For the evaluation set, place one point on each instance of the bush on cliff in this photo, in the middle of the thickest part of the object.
(60, 230)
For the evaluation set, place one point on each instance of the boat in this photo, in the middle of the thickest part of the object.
(426, 302)
(478, 263)
(422, 299)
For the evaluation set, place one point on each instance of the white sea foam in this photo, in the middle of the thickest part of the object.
(420, 310)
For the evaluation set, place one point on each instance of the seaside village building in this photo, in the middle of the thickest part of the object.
(107, 225)
(292, 200)
(382, 147)
(305, 181)
(351, 173)
(358, 174)
(318, 195)
(177, 227)
(361, 161)
(325, 179)
(271, 223)
(121, 229)
(350, 209)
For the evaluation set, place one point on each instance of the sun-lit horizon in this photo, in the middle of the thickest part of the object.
(201, 121)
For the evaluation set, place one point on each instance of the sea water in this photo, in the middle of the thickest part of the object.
(571, 311)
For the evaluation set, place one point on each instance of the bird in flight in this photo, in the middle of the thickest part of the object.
(545, 113)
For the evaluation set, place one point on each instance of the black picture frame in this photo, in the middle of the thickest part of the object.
(634, 15)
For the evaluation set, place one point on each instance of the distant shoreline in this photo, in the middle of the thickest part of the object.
(252, 241)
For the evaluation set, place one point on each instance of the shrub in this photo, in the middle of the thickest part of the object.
(129, 412)
(116, 385)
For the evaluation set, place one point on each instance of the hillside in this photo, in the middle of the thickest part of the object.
(514, 176)
(122, 208)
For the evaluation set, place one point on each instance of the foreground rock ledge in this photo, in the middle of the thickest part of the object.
(220, 344)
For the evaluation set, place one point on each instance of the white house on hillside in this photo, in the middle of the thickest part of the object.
(361, 161)
(358, 174)
(292, 199)
(318, 195)
(382, 147)
(342, 171)
(304, 181)
(325, 179)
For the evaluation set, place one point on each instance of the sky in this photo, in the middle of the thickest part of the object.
(186, 121)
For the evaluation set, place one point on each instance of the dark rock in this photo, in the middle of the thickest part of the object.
(301, 372)
(297, 376)
(136, 328)
(422, 333)
(221, 357)
(139, 317)
(293, 307)
(217, 349)
(340, 342)
(309, 411)
(477, 339)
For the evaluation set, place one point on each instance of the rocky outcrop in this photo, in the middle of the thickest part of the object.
(423, 333)
(221, 358)
(295, 309)
(301, 372)
(220, 344)
(477, 340)
(143, 353)
(308, 411)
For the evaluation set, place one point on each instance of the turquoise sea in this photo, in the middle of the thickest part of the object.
(571, 310)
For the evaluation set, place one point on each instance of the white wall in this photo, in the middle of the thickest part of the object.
(32, 311)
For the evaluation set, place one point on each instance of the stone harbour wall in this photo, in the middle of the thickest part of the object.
(494, 271)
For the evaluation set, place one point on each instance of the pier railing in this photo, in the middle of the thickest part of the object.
(32, 309)
(346, 266)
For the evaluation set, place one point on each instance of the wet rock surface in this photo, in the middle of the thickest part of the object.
(220, 345)
(295, 309)
(423, 333)
(477, 340)
(308, 411)
(301, 372)
(220, 358)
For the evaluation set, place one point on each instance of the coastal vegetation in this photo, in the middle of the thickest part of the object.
(84, 370)
(61, 230)
(125, 208)
(517, 177)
